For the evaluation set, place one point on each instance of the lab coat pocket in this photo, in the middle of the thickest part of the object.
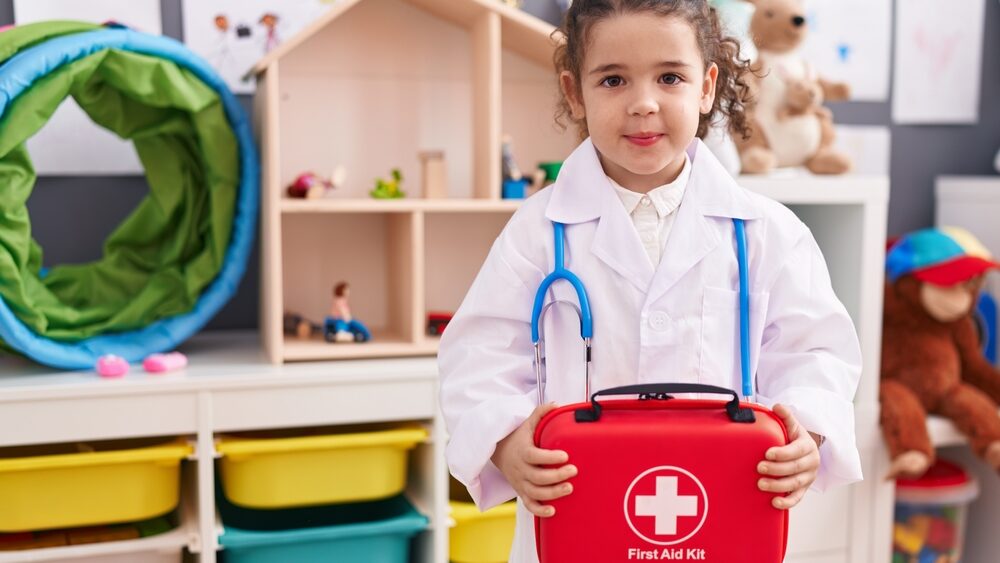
(720, 335)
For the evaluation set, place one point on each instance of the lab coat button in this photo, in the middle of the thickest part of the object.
(645, 201)
(659, 320)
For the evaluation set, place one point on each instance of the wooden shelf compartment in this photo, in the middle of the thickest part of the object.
(378, 254)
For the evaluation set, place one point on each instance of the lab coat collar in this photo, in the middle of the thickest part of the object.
(579, 193)
(584, 193)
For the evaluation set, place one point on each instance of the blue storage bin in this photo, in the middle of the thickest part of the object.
(373, 532)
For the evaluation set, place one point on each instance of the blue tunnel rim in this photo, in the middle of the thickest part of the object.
(17, 75)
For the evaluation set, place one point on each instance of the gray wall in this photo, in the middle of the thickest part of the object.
(918, 155)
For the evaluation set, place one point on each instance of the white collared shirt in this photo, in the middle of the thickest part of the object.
(653, 213)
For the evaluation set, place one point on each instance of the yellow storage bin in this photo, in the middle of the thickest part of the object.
(481, 537)
(294, 471)
(73, 485)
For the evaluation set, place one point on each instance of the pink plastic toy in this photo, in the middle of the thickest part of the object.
(110, 365)
(162, 363)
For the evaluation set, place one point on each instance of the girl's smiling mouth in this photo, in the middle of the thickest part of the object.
(644, 139)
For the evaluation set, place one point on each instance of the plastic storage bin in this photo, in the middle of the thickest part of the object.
(481, 537)
(930, 514)
(374, 532)
(283, 472)
(478, 537)
(73, 485)
(153, 541)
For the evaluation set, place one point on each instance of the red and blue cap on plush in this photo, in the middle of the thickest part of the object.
(943, 256)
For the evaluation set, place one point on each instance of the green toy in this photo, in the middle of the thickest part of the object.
(390, 189)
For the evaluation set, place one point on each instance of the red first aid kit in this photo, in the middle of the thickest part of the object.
(663, 479)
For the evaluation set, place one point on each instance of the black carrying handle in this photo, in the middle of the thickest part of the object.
(662, 390)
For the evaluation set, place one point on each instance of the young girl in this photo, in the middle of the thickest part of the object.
(648, 213)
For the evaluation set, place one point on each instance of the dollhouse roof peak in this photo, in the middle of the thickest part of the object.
(521, 32)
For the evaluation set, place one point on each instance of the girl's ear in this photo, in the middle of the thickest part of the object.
(708, 88)
(571, 91)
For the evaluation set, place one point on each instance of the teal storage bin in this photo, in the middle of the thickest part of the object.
(374, 532)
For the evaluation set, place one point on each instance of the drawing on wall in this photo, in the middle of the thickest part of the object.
(938, 61)
(233, 35)
(70, 143)
(847, 48)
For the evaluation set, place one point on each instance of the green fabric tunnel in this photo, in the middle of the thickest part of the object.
(158, 261)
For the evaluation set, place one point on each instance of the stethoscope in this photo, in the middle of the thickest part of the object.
(582, 308)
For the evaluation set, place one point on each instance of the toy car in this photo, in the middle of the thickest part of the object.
(436, 323)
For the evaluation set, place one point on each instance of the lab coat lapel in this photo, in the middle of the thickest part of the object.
(617, 244)
(583, 193)
(711, 194)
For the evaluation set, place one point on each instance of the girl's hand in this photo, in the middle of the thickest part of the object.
(794, 465)
(523, 465)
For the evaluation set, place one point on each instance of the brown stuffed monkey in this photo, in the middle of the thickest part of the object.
(931, 357)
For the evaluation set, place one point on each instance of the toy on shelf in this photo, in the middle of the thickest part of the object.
(310, 185)
(932, 361)
(163, 363)
(389, 189)
(779, 138)
(340, 325)
(929, 522)
(435, 178)
(110, 365)
(515, 185)
(436, 323)
(545, 175)
(299, 326)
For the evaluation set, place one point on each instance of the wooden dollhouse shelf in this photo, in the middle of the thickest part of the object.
(404, 205)
(456, 76)
(383, 344)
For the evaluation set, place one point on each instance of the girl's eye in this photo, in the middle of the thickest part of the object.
(612, 81)
(670, 79)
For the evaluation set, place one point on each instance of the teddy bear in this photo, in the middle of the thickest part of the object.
(932, 362)
(781, 77)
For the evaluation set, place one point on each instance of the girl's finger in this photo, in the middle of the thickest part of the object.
(539, 476)
(551, 492)
(795, 450)
(538, 456)
(786, 416)
(782, 468)
(784, 503)
(537, 508)
(787, 484)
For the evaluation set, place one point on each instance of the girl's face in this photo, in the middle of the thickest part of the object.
(643, 86)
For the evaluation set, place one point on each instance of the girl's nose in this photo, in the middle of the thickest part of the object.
(644, 104)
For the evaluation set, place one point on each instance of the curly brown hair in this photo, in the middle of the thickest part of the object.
(732, 92)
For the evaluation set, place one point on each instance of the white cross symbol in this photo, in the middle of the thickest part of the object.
(666, 506)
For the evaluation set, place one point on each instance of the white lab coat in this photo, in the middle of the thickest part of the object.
(677, 322)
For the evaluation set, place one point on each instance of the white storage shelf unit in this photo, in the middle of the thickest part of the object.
(229, 386)
(232, 386)
(972, 202)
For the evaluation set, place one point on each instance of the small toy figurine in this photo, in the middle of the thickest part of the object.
(162, 363)
(299, 326)
(340, 326)
(110, 365)
(310, 185)
(390, 189)
(508, 165)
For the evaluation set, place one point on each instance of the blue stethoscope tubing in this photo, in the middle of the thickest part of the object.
(560, 272)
